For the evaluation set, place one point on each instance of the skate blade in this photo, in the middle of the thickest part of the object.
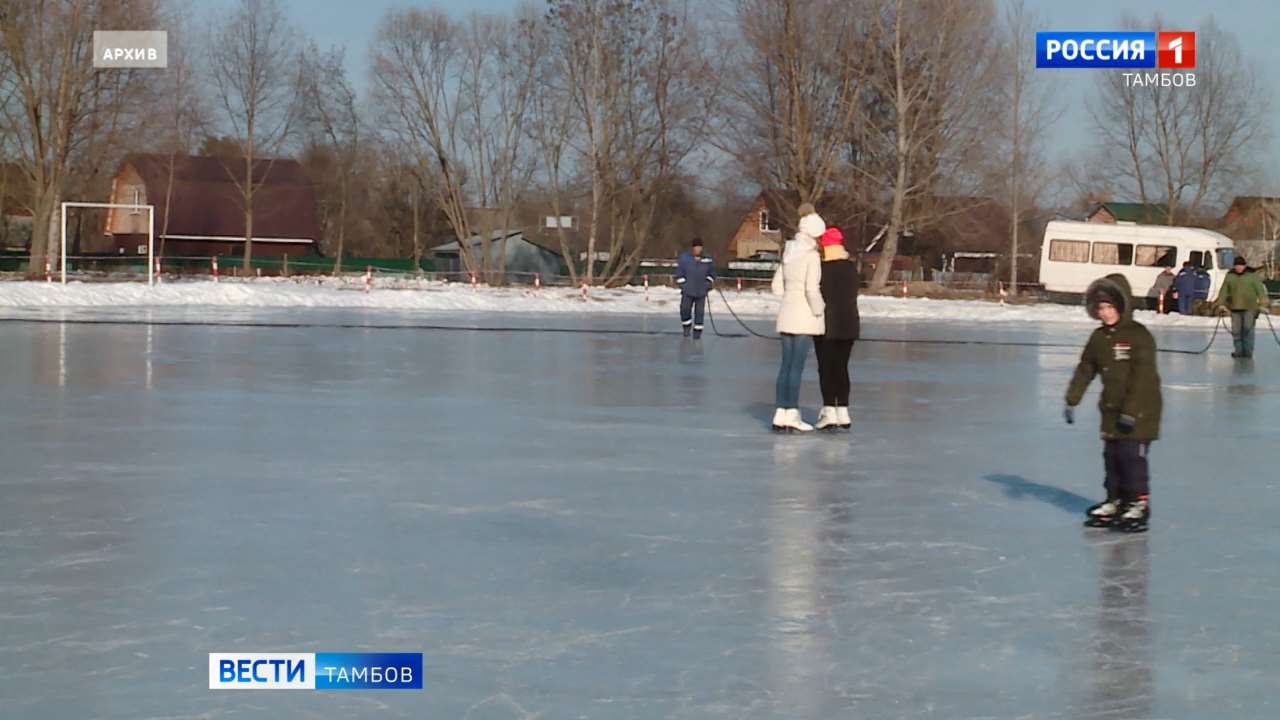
(1130, 529)
(1098, 523)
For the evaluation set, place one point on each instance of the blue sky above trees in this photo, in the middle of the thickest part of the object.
(337, 22)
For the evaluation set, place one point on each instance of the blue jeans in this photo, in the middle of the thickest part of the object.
(795, 349)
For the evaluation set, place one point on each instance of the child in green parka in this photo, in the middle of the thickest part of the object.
(1123, 353)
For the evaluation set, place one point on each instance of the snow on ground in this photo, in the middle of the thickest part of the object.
(446, 297)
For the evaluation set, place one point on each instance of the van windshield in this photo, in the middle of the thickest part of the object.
(1226, 256)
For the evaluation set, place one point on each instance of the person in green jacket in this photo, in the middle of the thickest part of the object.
(1244, 294)
(1123, 353)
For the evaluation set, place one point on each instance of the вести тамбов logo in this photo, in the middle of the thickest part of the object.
(1170, 57)
(315, 671)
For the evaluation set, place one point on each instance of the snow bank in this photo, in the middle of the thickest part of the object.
(452, 297)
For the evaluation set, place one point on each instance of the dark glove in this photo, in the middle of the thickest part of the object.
(1069, 414)
(1126, 424)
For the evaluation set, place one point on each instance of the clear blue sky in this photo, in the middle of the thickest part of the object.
(1254, 23)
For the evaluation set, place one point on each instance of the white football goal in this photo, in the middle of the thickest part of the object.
(151, 233)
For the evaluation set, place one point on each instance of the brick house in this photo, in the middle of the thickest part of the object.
(761, 229)
(771, 221)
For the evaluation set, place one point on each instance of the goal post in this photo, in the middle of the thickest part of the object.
(151, 233)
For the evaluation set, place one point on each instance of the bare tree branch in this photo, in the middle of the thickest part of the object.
(252, 64)
(1183, 146)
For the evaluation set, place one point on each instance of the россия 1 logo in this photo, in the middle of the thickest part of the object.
(1164, 50)
(1123, 50)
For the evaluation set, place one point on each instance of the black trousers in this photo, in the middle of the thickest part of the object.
(691, 310)
(1128, 477)
(833, 369)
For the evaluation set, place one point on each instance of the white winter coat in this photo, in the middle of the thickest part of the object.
(796, 281)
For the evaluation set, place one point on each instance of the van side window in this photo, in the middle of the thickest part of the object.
(1076, 251)
(1155, 256)
(1197, 258)
(1112, 253)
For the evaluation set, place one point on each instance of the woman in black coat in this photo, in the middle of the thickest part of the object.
(840, 293)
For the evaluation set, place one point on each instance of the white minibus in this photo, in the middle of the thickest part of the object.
(1075, 254)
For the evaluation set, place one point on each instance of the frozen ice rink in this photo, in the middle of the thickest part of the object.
(600, 525)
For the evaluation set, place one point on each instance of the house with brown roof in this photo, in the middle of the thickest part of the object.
(761, 228)
(1133, 213)
(202, 213)
(964, 235)
(1253, 222)
(770, 221)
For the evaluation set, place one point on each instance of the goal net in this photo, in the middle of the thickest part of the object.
(151, 233)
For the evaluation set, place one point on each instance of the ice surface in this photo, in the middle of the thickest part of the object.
(600, 526)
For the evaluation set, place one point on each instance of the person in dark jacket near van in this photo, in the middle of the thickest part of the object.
(1204, 283)
(695, 274)
(1123, 353)
(1184, 284)
(839, 286)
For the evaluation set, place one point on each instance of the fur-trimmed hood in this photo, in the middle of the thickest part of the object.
(1113, 289)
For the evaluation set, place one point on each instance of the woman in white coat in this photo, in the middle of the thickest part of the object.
(800, 318)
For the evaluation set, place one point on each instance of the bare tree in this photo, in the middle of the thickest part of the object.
(415, 213)
(637, 83)
(499, 68)
(331, 109)
(252, 64)
(1182, 145)
(583, 58)
(417, 67)
(606, 86)
(795, 76)
(553, 124)
(934, 85)
(1028, 112)
(53, 102)
(395, 195)
(184, 107)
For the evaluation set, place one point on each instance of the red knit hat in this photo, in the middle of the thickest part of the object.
(832, 236)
